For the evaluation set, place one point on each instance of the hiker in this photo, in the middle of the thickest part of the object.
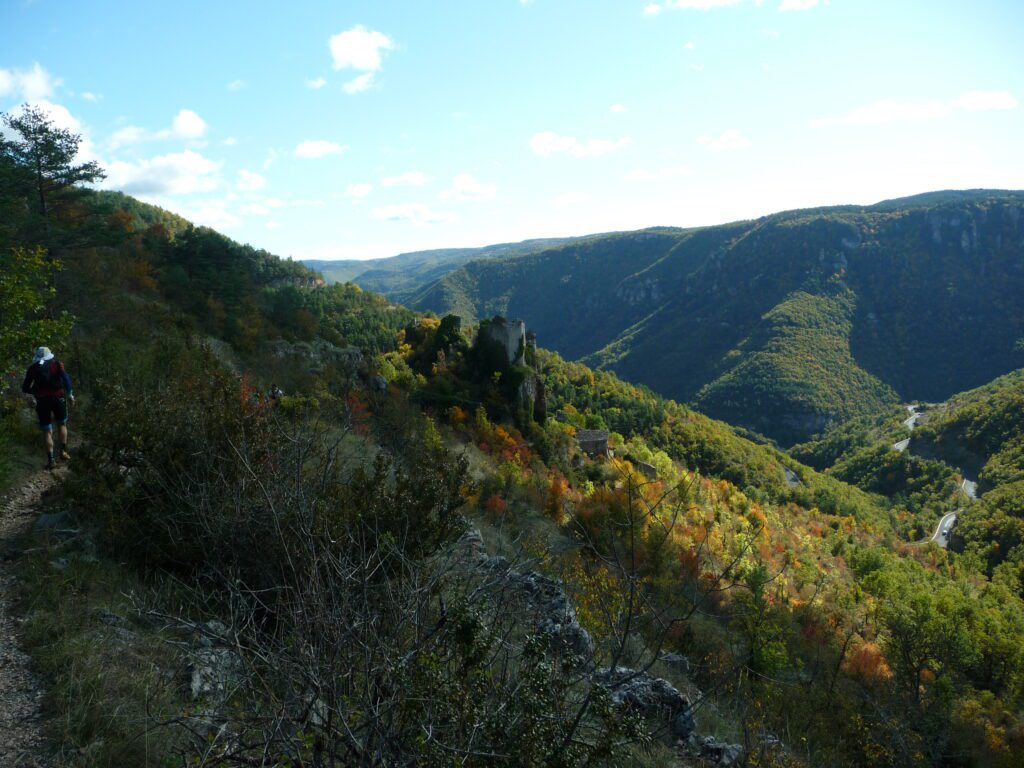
(275, 392)
(48, 382)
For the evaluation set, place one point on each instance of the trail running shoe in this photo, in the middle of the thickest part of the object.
(51, 464)
(64, 455)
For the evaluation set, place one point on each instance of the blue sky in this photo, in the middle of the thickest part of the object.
(362, 129)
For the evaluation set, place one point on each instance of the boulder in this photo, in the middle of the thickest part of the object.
(719, 752)
(652, 697)
(546, 599)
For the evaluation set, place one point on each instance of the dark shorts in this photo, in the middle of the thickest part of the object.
(51, 410)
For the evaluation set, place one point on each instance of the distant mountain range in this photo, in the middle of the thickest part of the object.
(398, 276)
(783, 325)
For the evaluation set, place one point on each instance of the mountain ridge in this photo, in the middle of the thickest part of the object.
(692, 312)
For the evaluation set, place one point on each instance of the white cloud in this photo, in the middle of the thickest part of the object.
(33, 84)
(188, 125)
(730, 139)
(273, 224)
(547, 143)
(643, 174)
(976, 101)
(415, 213)
(797, 5)
(690, 45)
(892, 111)
(316, 84)
(652, 9)
(210, 213)
(407, 179)
(236, 85)
(618, 108)
(130, 134)
(230, 141)
(358, 191)
(318, 148)
(467, 187)
(697, 67)
(90, 96)
(249, 181)
(359, 84)
(179, 173)
(359, 48)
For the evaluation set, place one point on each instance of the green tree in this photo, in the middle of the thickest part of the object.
(38, 164)
(25, 290)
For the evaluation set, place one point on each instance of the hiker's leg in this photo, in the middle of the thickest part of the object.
(62, 435)
(48, 439)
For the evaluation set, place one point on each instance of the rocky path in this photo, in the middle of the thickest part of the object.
(21, 735)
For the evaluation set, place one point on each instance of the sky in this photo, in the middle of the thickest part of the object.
(351, 129)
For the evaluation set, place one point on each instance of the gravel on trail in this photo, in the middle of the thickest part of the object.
(22, 744)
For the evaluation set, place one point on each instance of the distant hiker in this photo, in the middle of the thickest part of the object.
(275, 392)
(48, 382)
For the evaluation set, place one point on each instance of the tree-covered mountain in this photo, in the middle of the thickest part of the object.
(784, 324)
(397, 276)
(416, 554)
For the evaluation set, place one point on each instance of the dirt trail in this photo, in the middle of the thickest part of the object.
(21, 734)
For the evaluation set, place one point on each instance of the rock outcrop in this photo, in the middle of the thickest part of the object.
(652, 697)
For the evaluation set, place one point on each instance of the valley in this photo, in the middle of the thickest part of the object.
(345, 526)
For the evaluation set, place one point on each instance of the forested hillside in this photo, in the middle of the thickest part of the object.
(401, 275)
(443, 545)
(785, 324)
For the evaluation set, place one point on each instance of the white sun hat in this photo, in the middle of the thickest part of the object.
(42, 355)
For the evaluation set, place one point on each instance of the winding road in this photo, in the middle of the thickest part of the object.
(969, 487)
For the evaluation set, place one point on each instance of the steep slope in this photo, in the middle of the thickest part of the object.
(787, 323)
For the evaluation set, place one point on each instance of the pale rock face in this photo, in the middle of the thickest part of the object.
(511, 334)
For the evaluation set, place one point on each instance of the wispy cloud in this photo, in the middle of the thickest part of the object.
(360, 49)
(237, 85)
(407, 179)
(358, 191)
(797, 5)
(618, 108)
(548, 143)
(414, 213)
(729, 140)
(892, 111)
(468, 187)
(653, 9)
(316, 84)
(313, 148)
(250, 181)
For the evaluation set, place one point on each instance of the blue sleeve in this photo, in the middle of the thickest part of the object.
(66, 379)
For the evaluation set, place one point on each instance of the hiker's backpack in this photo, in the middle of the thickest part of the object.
(48, 376)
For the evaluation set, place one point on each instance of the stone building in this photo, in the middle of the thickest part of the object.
(593, 442)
